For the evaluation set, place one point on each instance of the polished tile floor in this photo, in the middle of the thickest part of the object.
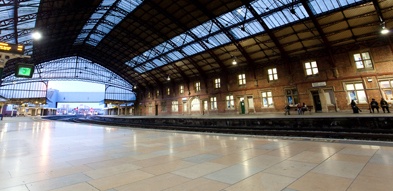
(39, 155)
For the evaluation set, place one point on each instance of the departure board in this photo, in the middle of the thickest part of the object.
(12, 48)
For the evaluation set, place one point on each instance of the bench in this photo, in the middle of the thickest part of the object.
(309, 108)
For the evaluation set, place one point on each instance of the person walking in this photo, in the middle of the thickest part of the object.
(374, 105)
(384, 105)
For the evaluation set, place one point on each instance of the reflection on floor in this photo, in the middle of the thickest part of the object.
(48, 155)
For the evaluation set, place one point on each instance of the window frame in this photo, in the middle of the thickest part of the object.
(181, 89)
(213, 103)
(293, 94)
(356, 91)
(269, 105)
(230, 102)
(242, 79)
(175, 106)
(384, 89)
(197, 86)
(362, 60)
(271, 75)
(311, 68)
(217, 83)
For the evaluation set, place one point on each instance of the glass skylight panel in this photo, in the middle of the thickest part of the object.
(140, 69)
(221, 38)
(111, 17)
(238, 33)
(159, 62)
(319, 6)
(175, 55)
(275, 20)
(253, 27)
(205, 29)
(193, 49)
(164, 47)
(263, 6)
(139, 59)
(182, 39)
(226, 20)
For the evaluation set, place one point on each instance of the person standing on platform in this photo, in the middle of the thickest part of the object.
(355, 108)
(299, 109)
(374, 105)
(287, 110)
(384, 105)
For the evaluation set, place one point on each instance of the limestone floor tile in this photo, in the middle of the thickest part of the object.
(154, 161)
(110, 171)
(339, 168)
(198, 185)
(111, 162)
(119, 179)
(42, 176)
(310, 157)
(201, 158)
(167, 167)
(378, 170)
(76, 187)
(233, 174)
(263, 161)
(156, 183)
(382, 158)
(365, 150)
(289, 168)
(16, 188)
(367, 183)
(262, 182)
(58, 182)
(350, 158)
(321, 182)
(199, 170)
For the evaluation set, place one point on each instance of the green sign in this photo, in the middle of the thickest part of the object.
(24, 71)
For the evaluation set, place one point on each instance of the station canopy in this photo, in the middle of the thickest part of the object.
(146, 41)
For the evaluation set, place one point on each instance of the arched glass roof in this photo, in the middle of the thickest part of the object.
(240, 23)
(72, 68)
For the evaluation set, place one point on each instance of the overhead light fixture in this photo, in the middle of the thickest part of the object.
(384, 29)
(234, 62)
(168, 78)
(36, 35)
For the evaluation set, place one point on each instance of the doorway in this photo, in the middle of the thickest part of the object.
(156, 109)
(317, 101)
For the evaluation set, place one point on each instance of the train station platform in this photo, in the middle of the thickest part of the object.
(39, 154)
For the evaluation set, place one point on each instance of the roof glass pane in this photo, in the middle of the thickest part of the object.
(253, 27)
(139, 59)
(190, 50)
(175, 55)
(159, 62)
(275, 20)
(112, 16)
(238, 33)
(205, 29)
(164, 47)
(319, 6)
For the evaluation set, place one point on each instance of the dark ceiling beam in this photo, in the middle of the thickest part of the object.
(139, 39)
(322, 35)
(190, 58)
(16, 6)
(268, 31)
(378, 10)
(212, 17)
(94, 29)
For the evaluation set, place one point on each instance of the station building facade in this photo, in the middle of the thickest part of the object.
(327, 82)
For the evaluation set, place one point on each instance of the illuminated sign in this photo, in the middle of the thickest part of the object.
(23, 70)
(12, 48)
